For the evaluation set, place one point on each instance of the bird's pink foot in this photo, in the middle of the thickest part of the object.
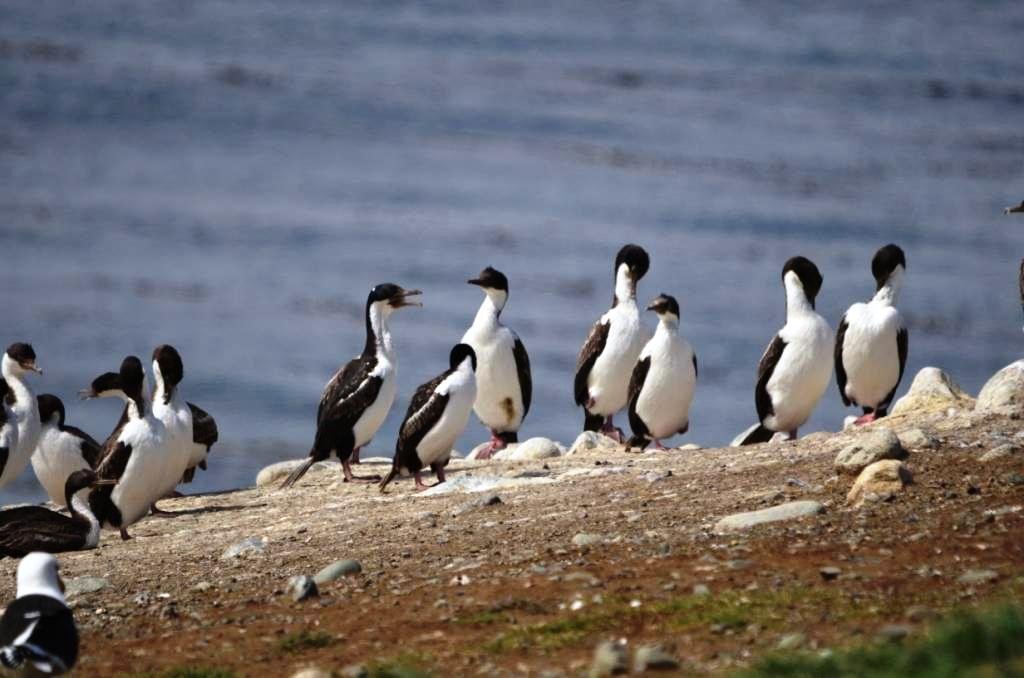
(350, 478)
(866, 419)
(355, 456)
(124, 534)
(659, 446)
(419, 482)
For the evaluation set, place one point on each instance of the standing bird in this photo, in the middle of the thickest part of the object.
(19, 360)
(191, 431)
(664, 380)
(1015, 209)
(357, 399)
(62, 449)
(134, 456)
(37, 632)
(503, 381)
(797, 365)
(24, 529)
(437, 416)
(607, 358)
(871, 343)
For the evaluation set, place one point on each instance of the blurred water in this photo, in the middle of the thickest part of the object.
(232, 177)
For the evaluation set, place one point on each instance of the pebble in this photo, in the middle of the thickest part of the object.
(532, 449)
(978, 576)
(655, 476)
(894, 632)
(311, 672)
(653, 658)
(830, 573)
(788, 511)
(337, 570)
(791, 641)
(919, 613)
(701, 590)
(610, 659)
(80, 585)
(916, 439)
(301, 587)
(880, 481)
(474, 504)
(867, 449)
(247, 547)
(583, 539)
(1000, 452)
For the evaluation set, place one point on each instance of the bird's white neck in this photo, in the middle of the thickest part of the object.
(487, 316)
(378, 321)
(625, 286)
(160, 387)
(667, 325)
(80, 508)
(25, 401)
(889, 292)
(797, 303)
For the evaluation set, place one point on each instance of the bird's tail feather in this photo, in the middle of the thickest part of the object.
(11, 657)
(392, 474)
(298, 473)
(758, 435)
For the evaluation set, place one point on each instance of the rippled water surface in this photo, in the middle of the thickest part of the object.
(232, 177)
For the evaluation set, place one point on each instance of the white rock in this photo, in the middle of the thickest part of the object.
(534, 448)
(787, 511)
(916, 439)
(276, 473)
(931, 390)
(591, 440)
(867, 448)
(1004, 392)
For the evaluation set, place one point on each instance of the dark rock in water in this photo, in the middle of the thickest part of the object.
(301, 587)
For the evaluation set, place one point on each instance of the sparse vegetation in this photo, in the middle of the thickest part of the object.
(304, 640)
(405, 665)
(185, 672)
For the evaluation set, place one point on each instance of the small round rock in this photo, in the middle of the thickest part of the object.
(301, 587)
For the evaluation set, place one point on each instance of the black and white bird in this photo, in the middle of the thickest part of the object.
(19, 360)
(607, 358)
(437, 415)
(62, 449)
(1015, 209)
(664, 380)
(357, 399)
(504, 386)
(134, 455)
(797, 365)
(24, 529)
(37, 632)
(8, 432)
(872, 342)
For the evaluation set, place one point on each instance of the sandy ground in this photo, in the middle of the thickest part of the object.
(456, 587)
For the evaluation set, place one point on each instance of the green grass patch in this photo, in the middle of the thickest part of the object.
(304, 640)
(184, 672)
(988, 643)
(405, 665)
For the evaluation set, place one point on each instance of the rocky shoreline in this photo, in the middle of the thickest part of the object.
(579, 559)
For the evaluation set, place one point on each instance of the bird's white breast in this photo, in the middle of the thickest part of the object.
(373, 417)
(664, 402)
(460, 386)
(9, 440)
(499, 398)
(802, 373)
(25, 415)
(608, 381)
(58, 454)
(142, 482)
(870, 352)
(177, 420)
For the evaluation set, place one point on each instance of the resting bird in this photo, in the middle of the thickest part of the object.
(797, 365)
(605, 363)
(62, 449)
(357, 399)
(872, 343)
(664, 380)
(503, 380)
(24, 529)
(436, 416)
(37, 632)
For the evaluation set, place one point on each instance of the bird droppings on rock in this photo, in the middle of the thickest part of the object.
(868, 448)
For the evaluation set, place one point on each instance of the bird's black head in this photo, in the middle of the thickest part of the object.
(106, 385)
(635, 257)
(24, 355)
(50, 405)
(459, 353)
(490, 279)
(79, 480)
(132, 377)
(172, 370)
(885, 262)
(808, 274)
(393, 295)
(664, 304)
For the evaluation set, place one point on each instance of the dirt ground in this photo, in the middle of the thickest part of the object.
(455, 586)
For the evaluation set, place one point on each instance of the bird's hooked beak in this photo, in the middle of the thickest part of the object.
(657, 305)
(88, 394)
(402, 299)
(475, 281)
(103, 483)
(31, 366)
(1016, 209)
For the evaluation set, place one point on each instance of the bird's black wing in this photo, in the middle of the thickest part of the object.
(33, 528)
(349, 392)
(902, 347)
(424, 411)
(110, 444)
(591, 350)
(53, 638)
(636, 385)
(765, 369)
(523, 371)
(114, 464)
(91, 450)
(4, 454)
(204, 428)
(696, 372)
(840, 369)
